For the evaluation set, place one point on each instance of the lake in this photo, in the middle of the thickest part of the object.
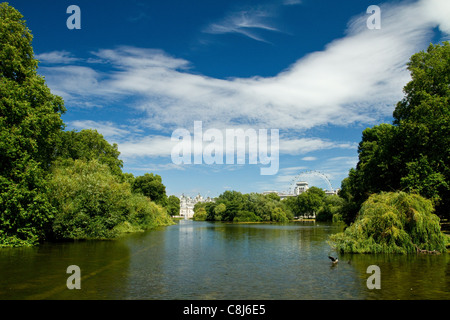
(211, 260)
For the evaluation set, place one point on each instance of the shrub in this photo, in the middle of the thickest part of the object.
(392, 223)
(144, 214)
(93, 203)
(200, 214)
(246, 216)
(279, 215)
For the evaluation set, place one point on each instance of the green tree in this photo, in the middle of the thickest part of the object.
(200, 214)
(278, 215)
(291, 204)
(331, 209)
(151, 186)
(310, 201)
(413, 153)
(219, 210)
(233, 201)
(246, 216)
(88, 145)
(423, 118)
(173, 205)
(210, 211)
(30, 122)
(93, 203)
(350, 206)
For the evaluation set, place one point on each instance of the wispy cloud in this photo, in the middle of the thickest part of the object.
(55, 57)
(291, 2)
(300, 146)
(107, 128)
(248, 22)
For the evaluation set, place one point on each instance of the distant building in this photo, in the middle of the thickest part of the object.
(300, 187)
(332, 192)
(187, 205)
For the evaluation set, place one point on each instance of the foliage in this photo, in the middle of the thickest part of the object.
(246, 216)
(254, 207)
(278, 215)
(56, 184)
(314, 201)
(144, 214)
(25, 210)
(88, 145)
(94, 204)
(218, 211)
(350, 206)
(331, 209)
(30, 121)
(173, 205)
(151, 186)
(413, 153)
(237, 207)
(311, 201)
(392, 223)
(200, 214)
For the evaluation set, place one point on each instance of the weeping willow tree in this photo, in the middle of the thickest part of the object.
(392, 223)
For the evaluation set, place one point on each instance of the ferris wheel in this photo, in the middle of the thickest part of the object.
(306, 175)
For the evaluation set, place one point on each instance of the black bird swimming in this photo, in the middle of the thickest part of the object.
(333, 260)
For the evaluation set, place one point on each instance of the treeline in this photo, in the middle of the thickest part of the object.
(56, 184)
(400, 187)
(254, 207)
(238, 207)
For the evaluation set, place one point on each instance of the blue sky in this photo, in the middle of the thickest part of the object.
(138, 70)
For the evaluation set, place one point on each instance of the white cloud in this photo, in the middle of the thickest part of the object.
(78, 85)
(149, 146)
(106, 128)
(292, 170)
(132, 145)
(305, 145)
(157, 167)
(244, 22)
(355, 79)
(308, 159)
(56, 57)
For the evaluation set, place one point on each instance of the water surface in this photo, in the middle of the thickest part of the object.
(207, 260)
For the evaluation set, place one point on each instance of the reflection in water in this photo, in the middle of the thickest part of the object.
(40, 273)
(206, 260)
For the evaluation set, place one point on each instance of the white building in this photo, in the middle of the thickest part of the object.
(332, 192)
(187, 205)
(300, 187)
